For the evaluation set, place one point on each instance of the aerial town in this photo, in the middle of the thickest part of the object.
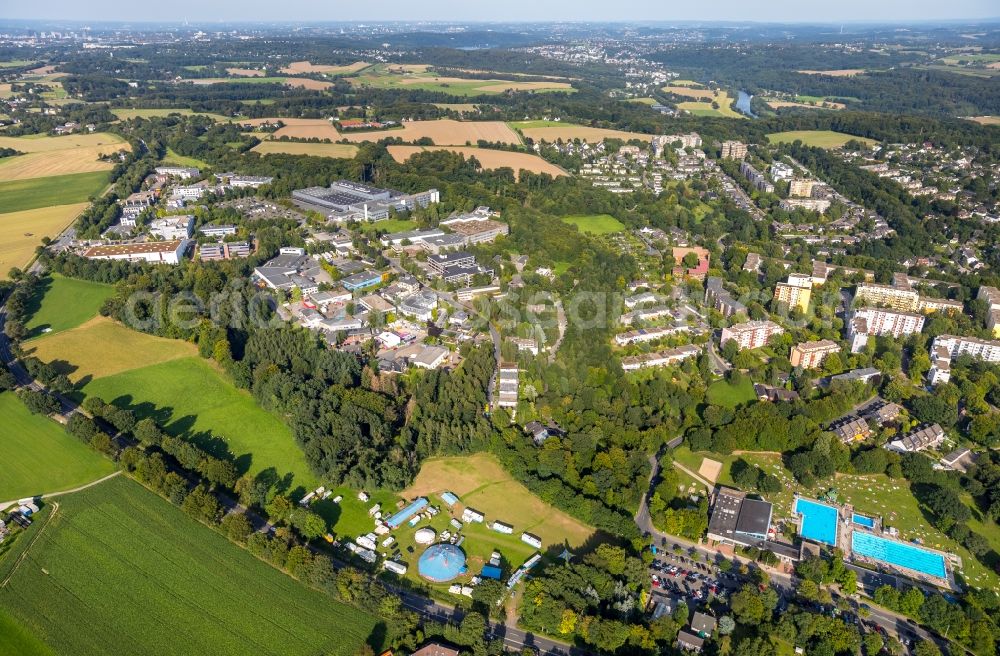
(470, 339)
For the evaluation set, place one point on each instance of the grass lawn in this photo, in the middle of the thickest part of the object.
(189, 398)
(725, 394)
(40, 456)
(595, 224)
(102, 347)
(119, 570)
(416, 77)
(391, 225)
(65, 303)
(32, 193)
(182, 160)
(820, 138)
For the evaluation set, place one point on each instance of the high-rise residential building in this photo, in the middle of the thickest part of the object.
(733, 150)
(750, 334)
(906, 300)
(867, 322)
(810, 355)
(801, 187)
(795, 291)
(981, 349)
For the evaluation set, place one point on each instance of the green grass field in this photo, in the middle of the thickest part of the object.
(820, 138)
(181, 160)
(382, 76)
(390, 225)
(191, 399)
(704, 107)
(38, 455)
(118, 570)
(125, 114)
(724, 393)
(32, 193)
(15, 639)
(595, 224)
(65, 303)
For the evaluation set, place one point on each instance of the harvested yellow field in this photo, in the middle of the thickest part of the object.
(690, 92)
(444, 132)
(345, 151)
(45, 156)
(245, 72)
(42, 70)
(306, 83)
(48, 144)
(458, 107)
(588, 134)
(102, 347)
(300, 128)
(840, 72)
(986, 120)
(304, 67)
(488, 159)
(21, 232)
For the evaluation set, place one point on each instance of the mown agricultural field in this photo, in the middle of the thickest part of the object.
(553, 131)
(22, 232)
(345, 151)
(101, 347)
(704, 107)
(28, 194)
(595, 224)
(444, 132)
(63, 303)
(306, 68)
(820, 138)
(118, 570)
(38, 455)
(299, 128)
(488, 159)
(51, 156)
(193, 400)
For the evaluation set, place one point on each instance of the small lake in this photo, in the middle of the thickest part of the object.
(743, 104)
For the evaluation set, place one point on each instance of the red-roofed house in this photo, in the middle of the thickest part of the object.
(697, 272)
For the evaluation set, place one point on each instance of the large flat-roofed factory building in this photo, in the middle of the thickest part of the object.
(344, 200)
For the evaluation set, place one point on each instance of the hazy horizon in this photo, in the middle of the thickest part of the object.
(305, 11)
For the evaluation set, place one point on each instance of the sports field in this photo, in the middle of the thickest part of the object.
(50, 156)
(31, 193)
(444, 132)
(299, 148)
(100, 347)
(191, 399)
(595, 224)
(820, 138)
(551, 131)
(305, 68)
(22, 232)
(118, 570)
(65, 303)
(39, 456)
(488, 159)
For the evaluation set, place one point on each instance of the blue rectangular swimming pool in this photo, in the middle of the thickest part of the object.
(900, 554)
(861, 520)
(819, 521)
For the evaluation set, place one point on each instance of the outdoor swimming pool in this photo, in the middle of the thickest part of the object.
(819, 521)
(899, 554)
(861, 520)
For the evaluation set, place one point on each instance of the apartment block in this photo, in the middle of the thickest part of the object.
(867, 322)
(801, 187)
(733, 150)
(810, 355)
(905, 300)
(750, 334)
(981, 349)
